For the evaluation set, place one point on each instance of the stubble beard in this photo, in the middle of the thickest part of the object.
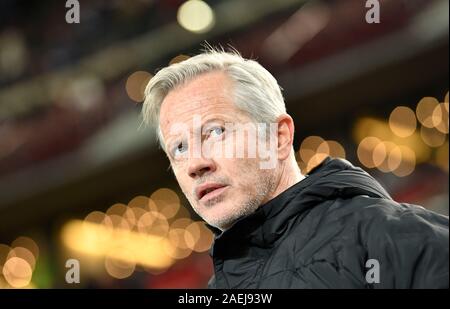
(264, 187)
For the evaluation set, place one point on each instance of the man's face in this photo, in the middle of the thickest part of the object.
(196, 117)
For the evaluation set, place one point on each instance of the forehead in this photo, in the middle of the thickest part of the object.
(207, 94)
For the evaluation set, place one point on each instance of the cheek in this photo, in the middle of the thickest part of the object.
(243, 172)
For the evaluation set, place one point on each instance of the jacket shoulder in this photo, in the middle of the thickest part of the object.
(409, 242)
(388, 215)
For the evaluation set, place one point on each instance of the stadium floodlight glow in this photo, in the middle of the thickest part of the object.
(94, 239)
(195, 16)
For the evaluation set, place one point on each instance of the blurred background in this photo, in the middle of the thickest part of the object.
(81, 178)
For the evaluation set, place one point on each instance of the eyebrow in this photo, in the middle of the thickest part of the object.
(213, 120)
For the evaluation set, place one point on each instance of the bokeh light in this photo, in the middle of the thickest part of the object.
(309, 147)
(98, 217)
(142, 202)
(167, 202)
(194, 230)
(432, 137)
(117, 209)
(178, 59)
(135, 85)
(335, 148)
(440, 118)
(144, 249)
(369, 127)
(24, 254)
(195, 16)
(121, 265)
(424, 111)
(205, 240)
(17, 263)
(119, 222)
(365, 151)
(124, 212)
(181, 223)
(177, 239)
(394, 159)
(153, 223)
(402, 121)
(381, 154)
(315, 160)
(17, 272)
(314, 149)
(138, 213)
(27, 243)
(407, 163)
(140, 206)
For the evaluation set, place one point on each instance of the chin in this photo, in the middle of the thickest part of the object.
(222, 222)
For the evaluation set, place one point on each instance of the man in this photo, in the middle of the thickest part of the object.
(222, 122)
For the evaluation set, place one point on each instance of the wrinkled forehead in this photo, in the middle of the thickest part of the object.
(204, 96)
(184, 106)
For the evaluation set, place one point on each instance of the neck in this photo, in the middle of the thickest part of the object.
(289, 175)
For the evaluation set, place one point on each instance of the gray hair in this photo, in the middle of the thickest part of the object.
(255, 90)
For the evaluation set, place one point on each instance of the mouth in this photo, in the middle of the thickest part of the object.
(209, 191)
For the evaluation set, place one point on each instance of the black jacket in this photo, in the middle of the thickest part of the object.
(321, 232)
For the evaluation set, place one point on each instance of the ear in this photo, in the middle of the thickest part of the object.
(285, 136)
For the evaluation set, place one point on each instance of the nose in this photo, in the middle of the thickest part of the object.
(200, 166)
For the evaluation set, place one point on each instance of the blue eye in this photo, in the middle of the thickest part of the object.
(180, 149)
(216, 131)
